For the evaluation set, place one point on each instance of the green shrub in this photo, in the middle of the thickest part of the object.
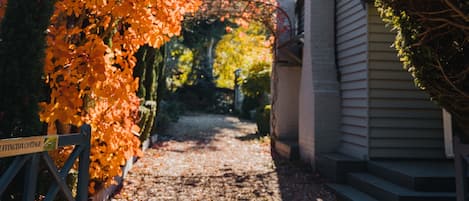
(147, 118)
(433, 44)
(255, 88)
(149, 66)
(163, 120)
(263, 120)
(22, 48)
(224, 99)
(198, 97)
(249, 104)
(257, 83)
(169, 112)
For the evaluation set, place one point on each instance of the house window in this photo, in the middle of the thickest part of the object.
(300, 16)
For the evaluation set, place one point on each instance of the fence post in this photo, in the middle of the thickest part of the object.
(83, 167)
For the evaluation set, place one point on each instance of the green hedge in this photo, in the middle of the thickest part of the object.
(22, 45)
(147, 119)
(433, 44)
(168, 112)
(263, 120)
(255, 88)
(257, 83)
(149, 68)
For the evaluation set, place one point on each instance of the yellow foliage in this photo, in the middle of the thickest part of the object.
(184, 67)
(241, 48)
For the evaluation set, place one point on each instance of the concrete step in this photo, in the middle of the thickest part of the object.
(335, 166)
(348, 193)
(288, 149)
(428, 176)
(384, 190)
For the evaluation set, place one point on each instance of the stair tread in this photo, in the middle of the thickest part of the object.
(427, 175)
(396, 189)
(349, 193)
(423, 169)
(288, 149)
(289, 142)
(341, 157)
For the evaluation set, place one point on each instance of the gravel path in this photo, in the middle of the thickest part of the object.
(215, 157)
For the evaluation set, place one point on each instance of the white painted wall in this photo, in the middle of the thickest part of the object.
(319, 102)
(286, 104)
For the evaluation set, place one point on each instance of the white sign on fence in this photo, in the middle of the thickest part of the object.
(20, 146)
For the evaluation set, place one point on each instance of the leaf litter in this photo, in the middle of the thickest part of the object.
(216, 157)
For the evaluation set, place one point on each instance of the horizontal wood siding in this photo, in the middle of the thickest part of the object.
(351, 47)
(403, 122)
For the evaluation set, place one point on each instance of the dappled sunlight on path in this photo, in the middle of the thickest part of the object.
(215, 157)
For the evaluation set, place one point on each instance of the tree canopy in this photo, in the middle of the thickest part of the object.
(90, 59)
(241, 49)
(89, 69)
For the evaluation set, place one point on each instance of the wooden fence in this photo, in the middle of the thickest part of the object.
(29, 151)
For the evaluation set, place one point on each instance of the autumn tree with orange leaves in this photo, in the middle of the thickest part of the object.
(88, 67)
(89, 62)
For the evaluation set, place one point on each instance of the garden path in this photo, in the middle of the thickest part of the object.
(217, 157)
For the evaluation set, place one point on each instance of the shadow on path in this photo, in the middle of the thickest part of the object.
(216, 157)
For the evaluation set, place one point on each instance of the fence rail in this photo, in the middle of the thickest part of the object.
(28, 153)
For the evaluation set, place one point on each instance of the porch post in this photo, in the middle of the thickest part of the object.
(319, 103)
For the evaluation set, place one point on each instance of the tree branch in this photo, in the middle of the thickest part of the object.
(456, 9)
(440, 67)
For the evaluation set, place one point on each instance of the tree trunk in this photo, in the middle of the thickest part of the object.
(210, 56)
